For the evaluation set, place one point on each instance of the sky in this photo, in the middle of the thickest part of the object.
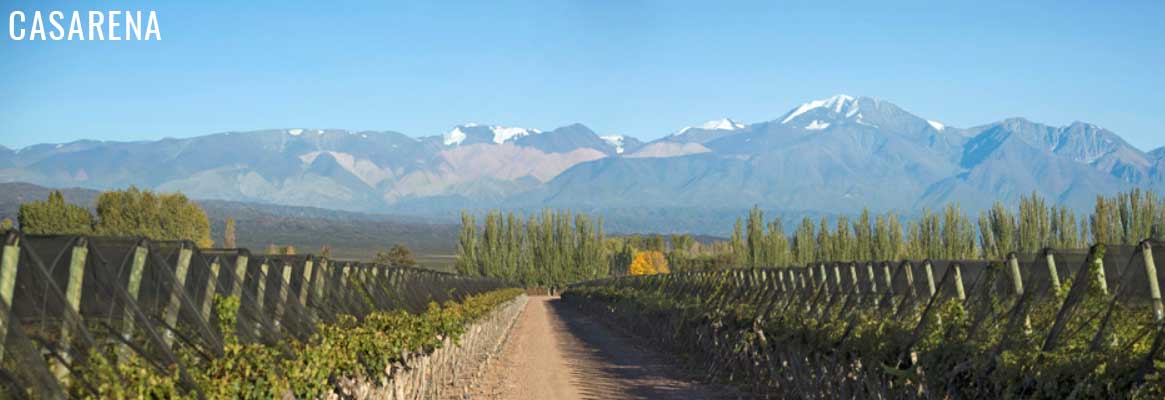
(639, 68)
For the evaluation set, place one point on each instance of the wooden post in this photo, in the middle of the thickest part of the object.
(181, 270)
(240, 274)
(1101, 280)
(929, 278)
(1017, 282)
(910, 278)
(211, 285)
(73, 298)
(853, 275)
(260, 296)
(305, 287)
(837, 277)
(9, 264)
(1016, 279)
(284, 289)
(1050, 256)
(873, 278)
(137, 268)
(1151, 276)
(889, 278)
(322, 278)
(261, 293)
(959, 282)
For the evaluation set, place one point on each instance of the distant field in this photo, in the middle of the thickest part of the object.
(437, 262)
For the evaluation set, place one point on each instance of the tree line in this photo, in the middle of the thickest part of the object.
(551, 249)
(1126, 218)
(130, 212)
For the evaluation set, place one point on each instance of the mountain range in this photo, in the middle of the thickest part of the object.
(824, 157)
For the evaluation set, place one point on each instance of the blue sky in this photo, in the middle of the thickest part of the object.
(640, 68)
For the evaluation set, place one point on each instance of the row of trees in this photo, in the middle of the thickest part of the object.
(130, 212)
(135, 212)
(1126, 218)
(553, 249)
(559, 248)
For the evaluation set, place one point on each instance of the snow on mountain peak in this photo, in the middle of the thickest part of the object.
(722, 124)
(836, 103)
(817, 125)
(614, 140)
(500, 134)
(454, 137)
(295, 132)
(504, 133)
(938, 126)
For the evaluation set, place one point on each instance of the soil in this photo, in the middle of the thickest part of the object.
(555, 352)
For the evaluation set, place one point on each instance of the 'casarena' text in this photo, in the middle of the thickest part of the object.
(81, 25)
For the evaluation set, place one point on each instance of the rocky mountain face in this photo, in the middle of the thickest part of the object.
(834, 155)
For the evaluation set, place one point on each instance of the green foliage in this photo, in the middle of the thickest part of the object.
(54, 217)
(553, 249)
(779, 342)
(134, 212)
(347, 348)
(398, 256)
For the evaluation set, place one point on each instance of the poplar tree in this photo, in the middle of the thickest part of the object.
(778, 252)
(467, 246)
(805, 243)
(755, 237)
(737, 242)
(228, 235)
(825, 247)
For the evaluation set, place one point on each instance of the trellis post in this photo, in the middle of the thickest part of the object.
(1053, 273)
(308, 280)
(211, 285)
(240, 274)
(9, 264)
(853, 275)
(137, 269)
(959, 281)
(73, 299)
(1017, 284)
(929, 277)
(181, 270)
(284, 289)
(872, 277)
(1100, 277)
(1154, 286)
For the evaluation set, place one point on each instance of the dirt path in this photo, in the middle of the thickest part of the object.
(555, 353)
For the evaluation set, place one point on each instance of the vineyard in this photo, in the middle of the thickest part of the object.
(107, 317)
(1054, 325)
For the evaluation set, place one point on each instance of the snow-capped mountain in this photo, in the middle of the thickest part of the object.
(723, 124)
(837, 154)
(473, 133)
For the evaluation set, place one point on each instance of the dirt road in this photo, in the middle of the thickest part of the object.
(555, 353)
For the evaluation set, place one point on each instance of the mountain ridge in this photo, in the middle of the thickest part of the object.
(831, 155)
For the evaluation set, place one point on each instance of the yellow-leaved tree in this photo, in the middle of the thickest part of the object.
(648, 263)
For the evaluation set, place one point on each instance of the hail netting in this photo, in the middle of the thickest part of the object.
(948, 328)
(65, 300)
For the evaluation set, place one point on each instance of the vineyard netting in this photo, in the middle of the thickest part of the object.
(70, 302)
(1056, 325)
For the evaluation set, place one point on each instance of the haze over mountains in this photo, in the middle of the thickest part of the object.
(829, 156)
